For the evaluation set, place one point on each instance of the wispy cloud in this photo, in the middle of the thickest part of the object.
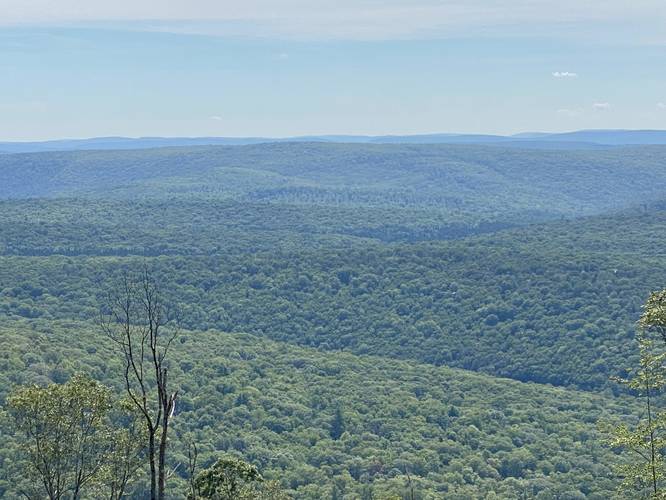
(601, 105)
(216, 118)
(565, 74)
(661, 105)
(348, 19)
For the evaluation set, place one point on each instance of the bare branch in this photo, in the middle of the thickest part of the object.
(142, 326)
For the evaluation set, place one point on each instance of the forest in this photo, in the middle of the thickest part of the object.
(479, 302)
(460, 434)
(355, 321)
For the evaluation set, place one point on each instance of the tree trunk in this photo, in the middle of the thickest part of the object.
(153, 474)
(162, 458)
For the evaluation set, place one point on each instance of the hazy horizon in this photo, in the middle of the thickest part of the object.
(314, 250)
(258, 68)
(532, 134)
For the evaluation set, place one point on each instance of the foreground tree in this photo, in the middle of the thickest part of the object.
(137, 319)
(646, 441)
(66, 435)
(653, 319)
(128, 452)
(233, 479)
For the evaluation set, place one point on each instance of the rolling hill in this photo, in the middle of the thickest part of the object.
(463, 181)
(464, 307)
(581, 139)
(553, 303)
(455, 434)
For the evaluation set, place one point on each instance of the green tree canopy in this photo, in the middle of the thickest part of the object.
(65, 435)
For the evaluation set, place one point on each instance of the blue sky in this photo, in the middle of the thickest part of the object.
(283, 68)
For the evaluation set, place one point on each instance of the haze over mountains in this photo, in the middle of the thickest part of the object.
(349, 250)
(582, 139)
(460, 182)
(463, 304)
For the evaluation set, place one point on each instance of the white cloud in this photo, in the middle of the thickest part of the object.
(571, 113)
(283, 56)
(601, 105)
(661, 105)
(565, 74)
(353, 19)
(216, 118)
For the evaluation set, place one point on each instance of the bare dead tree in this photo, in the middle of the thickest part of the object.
(142, 325)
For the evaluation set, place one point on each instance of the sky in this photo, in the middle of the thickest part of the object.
(274, 68)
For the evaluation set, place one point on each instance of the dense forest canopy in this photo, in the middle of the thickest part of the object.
(461, 435)
(353, 315)
(478, 303)
(468, 180)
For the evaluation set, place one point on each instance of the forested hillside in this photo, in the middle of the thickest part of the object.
(458, 435)
(353, 314)
(520, 303)
(476, 182)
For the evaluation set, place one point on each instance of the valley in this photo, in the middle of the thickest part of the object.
(457, 313)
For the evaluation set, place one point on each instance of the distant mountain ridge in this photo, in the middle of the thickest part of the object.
(471, 183)
(581, 139)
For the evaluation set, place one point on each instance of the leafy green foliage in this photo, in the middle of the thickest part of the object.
(227, 479)
(68, 440)
(554, 303)
(372, 266)
(653, 319)
(647, 440)
(456, 433)
(103, 227)
(126, 459)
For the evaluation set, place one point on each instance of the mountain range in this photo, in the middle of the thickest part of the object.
(581, 139)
